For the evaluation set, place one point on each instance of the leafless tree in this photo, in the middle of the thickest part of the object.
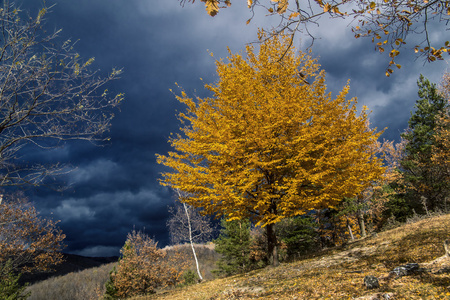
(48, 95)
(186, 224)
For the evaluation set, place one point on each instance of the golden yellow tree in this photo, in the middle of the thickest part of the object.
(271, 143)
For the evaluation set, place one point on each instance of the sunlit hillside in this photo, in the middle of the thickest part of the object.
(89, 284)
(339, 273)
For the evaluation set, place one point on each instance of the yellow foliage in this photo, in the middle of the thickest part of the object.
(282, 6)
(271, 143)
(212, 6)
(294, 15)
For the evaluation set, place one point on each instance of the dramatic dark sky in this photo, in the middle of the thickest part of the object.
(157, 43)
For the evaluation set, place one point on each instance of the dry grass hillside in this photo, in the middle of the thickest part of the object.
(339, 273)
(88, 284)
(84, 278)
(71, 263)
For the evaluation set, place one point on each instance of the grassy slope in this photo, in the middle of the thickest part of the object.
(88, 284)
(84, 278)
(339, 273)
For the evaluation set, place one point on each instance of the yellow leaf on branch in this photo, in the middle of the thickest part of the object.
(282, 6)
(212, 7)
(294, 15)
(320, 2)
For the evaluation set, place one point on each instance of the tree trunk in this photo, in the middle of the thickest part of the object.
(192, 242)
(350, 230)
(272, 245)
(362, 225)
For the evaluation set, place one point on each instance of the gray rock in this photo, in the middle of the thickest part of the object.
(406, 270)
(371, 282)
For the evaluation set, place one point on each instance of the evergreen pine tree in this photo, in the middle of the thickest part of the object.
(299, 234)
(111, 290)
(10, 288)
(423, 178)
(234, 245)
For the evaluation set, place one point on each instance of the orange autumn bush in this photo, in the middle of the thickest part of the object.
(143, 268)
(27, 240)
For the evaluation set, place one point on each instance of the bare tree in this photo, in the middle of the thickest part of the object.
(48, 95)
(186, 224)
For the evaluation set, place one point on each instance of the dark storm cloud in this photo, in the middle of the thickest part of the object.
(157, 43)
(105, 218)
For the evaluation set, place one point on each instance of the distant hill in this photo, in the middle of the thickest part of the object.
(72, 263)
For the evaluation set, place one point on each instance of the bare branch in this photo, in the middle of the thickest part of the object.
(387, 22)
(187, 225)
(48, 95)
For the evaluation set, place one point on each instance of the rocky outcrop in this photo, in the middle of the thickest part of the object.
(406, 270)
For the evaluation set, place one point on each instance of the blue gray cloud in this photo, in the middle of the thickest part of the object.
(114, 188)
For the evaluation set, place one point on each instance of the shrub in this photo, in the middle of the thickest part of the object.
(30, 241)
(143, 268)
(190, 277)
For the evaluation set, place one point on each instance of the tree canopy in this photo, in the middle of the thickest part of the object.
(271, 142)
(425, 178)
(28, 241)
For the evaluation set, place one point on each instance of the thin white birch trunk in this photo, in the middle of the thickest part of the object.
(350, 230)
(191, 241)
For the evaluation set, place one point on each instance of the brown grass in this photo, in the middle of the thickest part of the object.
(88, 284)
(338, 273)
